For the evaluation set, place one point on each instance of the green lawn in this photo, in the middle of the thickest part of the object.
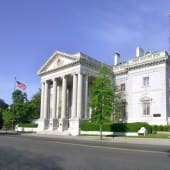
(156, 136)
(161, 136)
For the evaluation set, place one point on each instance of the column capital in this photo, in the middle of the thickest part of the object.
(54, 79)
(42, 81)
(74, 73)
(47, 81)
(63, 76)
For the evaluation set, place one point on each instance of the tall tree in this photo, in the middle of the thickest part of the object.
(35, 105)
(18, 97)
(3, 106)
(7, 118)
(102, 97)
(1, 118)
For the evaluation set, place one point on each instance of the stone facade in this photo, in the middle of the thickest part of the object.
(144, 82)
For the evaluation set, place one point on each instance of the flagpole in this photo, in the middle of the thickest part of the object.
(13, 105)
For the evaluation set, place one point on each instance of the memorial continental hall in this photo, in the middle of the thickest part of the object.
(143, 82)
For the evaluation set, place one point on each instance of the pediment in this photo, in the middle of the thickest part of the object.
(57, 60)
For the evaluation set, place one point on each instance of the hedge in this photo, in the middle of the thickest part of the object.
(116, 127)
(161, 128)
(29, 125)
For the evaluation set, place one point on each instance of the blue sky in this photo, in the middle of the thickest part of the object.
(31, 30)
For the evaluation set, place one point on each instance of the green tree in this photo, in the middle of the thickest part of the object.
(34, 105)
(1, 118)
(3, 106)
(18, 97)
(7, 118)
(22, 110)
(102, 97)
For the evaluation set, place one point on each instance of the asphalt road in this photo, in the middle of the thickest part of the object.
(35, 153)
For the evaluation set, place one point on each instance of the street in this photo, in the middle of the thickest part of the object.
(36, 153)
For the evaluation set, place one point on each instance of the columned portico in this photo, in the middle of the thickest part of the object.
(64, 95)
(62, 103)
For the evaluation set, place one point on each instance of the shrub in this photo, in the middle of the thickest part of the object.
(116, 127)
(29, 125)
(154, 127)
(89, 126)
(160, 128)
(134, 127)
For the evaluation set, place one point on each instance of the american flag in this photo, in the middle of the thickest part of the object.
(21, 85)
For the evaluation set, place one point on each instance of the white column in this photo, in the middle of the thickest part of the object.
(58, 101)
(74, 97)
(42, 101)
(79, 96)
(46, 100)
(54, 98)
(64, 94)
(86, 98)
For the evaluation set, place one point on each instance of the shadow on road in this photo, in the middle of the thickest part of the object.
(6, 133)
(28, 159)
(169, 153)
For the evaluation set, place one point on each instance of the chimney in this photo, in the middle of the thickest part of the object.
(116, 59)
(139, 52)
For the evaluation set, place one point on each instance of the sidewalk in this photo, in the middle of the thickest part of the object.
(145, 141)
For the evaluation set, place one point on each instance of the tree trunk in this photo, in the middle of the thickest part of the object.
(100, 131)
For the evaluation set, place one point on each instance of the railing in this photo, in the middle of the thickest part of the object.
(140, 60)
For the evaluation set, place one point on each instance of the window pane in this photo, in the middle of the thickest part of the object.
(146, 108)
(145, 81)
(122, 87)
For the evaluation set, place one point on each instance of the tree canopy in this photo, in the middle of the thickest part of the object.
(102, 97)
(18, 97)
(3, 106)
(106, 103)
(22, 110)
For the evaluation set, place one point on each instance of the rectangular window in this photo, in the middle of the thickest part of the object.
(146, 108)
(145, 81)
(169, 83)
(122, 87)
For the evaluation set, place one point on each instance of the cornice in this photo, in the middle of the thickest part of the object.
(59, 68)
(139, 66)
(81, 61)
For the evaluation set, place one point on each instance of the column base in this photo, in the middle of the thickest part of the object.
(53, 124)
(42, 124)
(63, 124)
(74, 128)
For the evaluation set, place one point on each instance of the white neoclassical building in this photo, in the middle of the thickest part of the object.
(144, 82)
